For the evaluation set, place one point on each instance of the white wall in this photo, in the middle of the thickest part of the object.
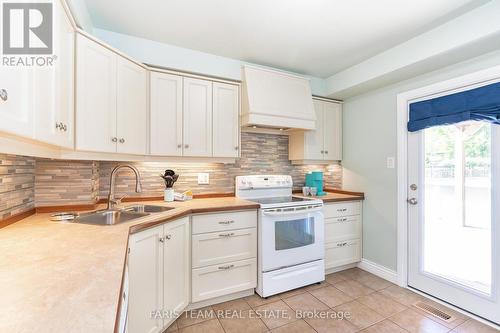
(174, 57)
(369, 138)
(81, 14)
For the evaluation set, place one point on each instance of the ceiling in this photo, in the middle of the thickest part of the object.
(314, 37)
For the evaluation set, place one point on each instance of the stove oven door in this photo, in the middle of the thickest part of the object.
(292, 236)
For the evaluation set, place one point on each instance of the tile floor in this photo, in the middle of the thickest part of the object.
(368, 303)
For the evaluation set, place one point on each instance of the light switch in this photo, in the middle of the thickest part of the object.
(391, 161)
(203, 178)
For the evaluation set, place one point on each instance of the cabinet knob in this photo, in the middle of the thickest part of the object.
(161, 239)
(322, 152)
(326, 151)
(4, 95)
(59, 126)
(226, 267)
(179, 146)
(186, 146)
(168, 237)
(122, 140)
(236, 148)
(64, 127)
(114, 139)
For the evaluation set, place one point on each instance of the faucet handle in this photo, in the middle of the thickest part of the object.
(117, 202)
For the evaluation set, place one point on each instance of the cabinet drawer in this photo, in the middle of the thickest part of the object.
(342, 227)
(342, 209)
(342, 253)
(224, 246)
(224, 221)
(219, 280)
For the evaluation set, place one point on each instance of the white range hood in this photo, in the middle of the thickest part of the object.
(274, 99)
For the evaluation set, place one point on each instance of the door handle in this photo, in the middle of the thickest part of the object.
(412, 201)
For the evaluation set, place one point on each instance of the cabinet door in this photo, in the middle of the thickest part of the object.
(54, 87)
(226, 134)
(132, 107)
(197, 129)
(166, 114)
(313, 140)
(332, 119)
(145, 264)
(176, 268)
(16, 100)
(95, 96)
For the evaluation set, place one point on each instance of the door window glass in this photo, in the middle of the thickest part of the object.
(456, 226)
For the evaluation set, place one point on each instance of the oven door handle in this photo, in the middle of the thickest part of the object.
(293, 212)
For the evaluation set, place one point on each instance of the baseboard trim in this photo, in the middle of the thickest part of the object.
(379, 270)
(221, 299)
(339, 268)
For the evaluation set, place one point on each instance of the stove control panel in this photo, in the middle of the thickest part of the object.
(263, 181)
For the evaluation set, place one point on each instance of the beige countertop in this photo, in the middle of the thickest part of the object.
(66, 277)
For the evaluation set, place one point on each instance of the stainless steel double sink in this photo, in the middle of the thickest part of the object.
(115, 216)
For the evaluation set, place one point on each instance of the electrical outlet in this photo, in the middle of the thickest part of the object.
(203, 179)
(391, 161)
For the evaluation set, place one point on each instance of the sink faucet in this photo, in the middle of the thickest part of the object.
(112, 201)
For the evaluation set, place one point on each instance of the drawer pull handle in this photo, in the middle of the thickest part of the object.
(4, 95)
(342, 244)
(227, 235)
(226, 267)
(342, 220)
(341, 209)
(226, 222)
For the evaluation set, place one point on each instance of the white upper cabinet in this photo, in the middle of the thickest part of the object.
(166, 114)
(95, 96)
(132, 103)
(332, 119)
(225, 120)
(16, 100)
(111, 101)
(54, 87)
(313, 140)
(323, 144)
(197, 128)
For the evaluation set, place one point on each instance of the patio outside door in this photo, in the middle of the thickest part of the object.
(453, 215)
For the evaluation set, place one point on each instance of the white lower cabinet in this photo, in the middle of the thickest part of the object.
(219, 280)
(159, 275)
(342, 253)
(220, 247)
(224, 254)
(343, 233)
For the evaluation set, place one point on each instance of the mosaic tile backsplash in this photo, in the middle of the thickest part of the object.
(26, 182)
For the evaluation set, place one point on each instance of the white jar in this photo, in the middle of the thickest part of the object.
(168, 195)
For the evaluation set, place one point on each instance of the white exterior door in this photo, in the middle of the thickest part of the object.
(166, 114)
(95, 96)
(54, 87)
(197, 129)
(332, 128)
(226, 135)
(132, 107)
(145, 281)
(16, 100)
(314, 139)
(453, 214)
(176, 269)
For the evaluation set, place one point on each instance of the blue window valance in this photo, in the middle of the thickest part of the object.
(481, 103)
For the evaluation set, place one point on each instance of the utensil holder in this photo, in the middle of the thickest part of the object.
(168, 195)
